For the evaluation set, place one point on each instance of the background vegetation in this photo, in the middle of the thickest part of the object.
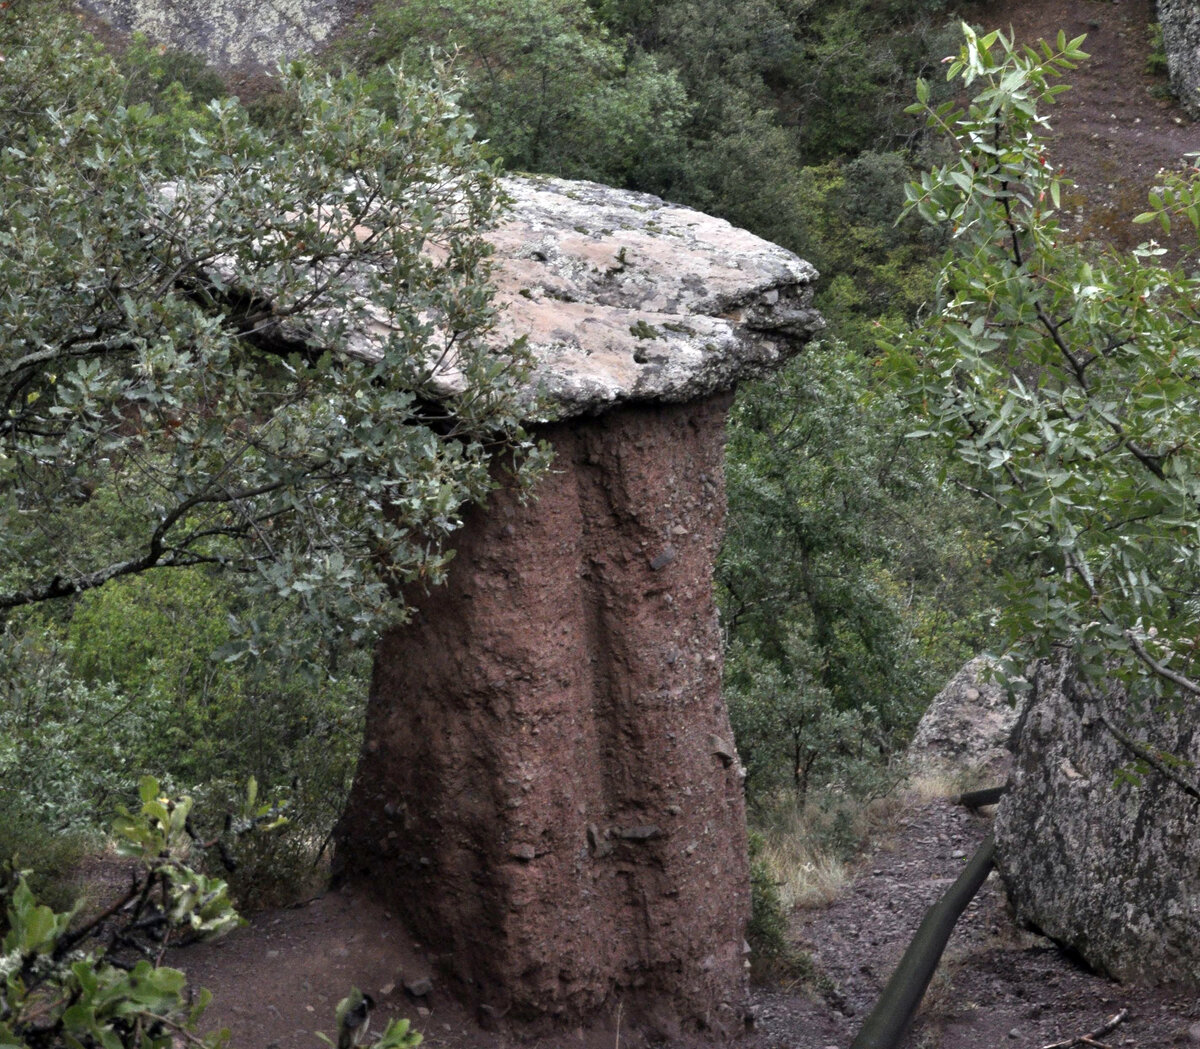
(784, 116)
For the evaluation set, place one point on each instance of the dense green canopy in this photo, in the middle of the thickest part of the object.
(178, 289)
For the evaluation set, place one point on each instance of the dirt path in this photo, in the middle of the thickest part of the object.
(1115, 129)
(278, 980)
(997, 986)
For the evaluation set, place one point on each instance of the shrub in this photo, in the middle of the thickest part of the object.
(771, 953)
(99, 983)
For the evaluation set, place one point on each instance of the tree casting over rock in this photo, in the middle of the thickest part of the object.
(226, 348)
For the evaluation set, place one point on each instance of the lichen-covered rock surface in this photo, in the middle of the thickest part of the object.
(626, 298)
(621, 297)
(227, 33)
(1106, 863)
(1180, 22)
(967, 728)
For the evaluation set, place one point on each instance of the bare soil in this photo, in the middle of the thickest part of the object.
(1117, 127)
(997, 985)
(278, 980)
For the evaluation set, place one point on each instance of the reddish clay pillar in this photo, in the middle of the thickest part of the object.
(549, 790)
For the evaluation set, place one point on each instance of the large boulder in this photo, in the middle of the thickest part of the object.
(1097, 850)
(967, 728)
(1180, 22)
(548, 789)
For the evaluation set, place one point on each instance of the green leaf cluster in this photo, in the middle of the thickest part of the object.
(551, 88)
(70, 980)
(183, 334)
(97, 983)
(853, 580)
(126, 679)
(1065, 380)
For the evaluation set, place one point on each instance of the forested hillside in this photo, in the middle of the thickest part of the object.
(198, 605)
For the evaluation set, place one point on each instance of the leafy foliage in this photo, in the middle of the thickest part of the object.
(551, 90)
(128, 683)
(101, 984)
(1066, 382)
(184, 371)
(98, 982)
(844, 612)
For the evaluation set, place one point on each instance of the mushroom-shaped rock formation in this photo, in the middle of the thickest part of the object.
(548, 789)
(625, 298)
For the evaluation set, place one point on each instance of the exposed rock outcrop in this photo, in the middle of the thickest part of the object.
(626, 298)
(1096, 852)
(549, 790)
(967, 728)
(227, 33)
(1180, 22)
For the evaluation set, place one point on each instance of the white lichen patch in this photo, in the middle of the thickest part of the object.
(226, 32)
(624, 297)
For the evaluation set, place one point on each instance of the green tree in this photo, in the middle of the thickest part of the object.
(100, 982)
(265, 353)
(552, 92)
(128, 684)
(1065, 380)
(844, 609)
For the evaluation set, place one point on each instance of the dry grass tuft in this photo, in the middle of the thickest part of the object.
(807, 875)
(810, 848)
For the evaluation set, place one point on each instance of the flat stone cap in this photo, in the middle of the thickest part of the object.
(620, 297)
(623, 297)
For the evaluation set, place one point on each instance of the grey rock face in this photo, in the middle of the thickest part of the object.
(967, 727)
(227, 33)
(622, 299)
(625, 298)
(1109, 867)
(1180, 21)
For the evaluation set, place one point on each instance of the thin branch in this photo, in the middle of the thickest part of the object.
(158, 553)
(1149, 757)
(72, 938)
(1161, 669)
(1140, 750)
(1091, 1038)
(978, 492)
